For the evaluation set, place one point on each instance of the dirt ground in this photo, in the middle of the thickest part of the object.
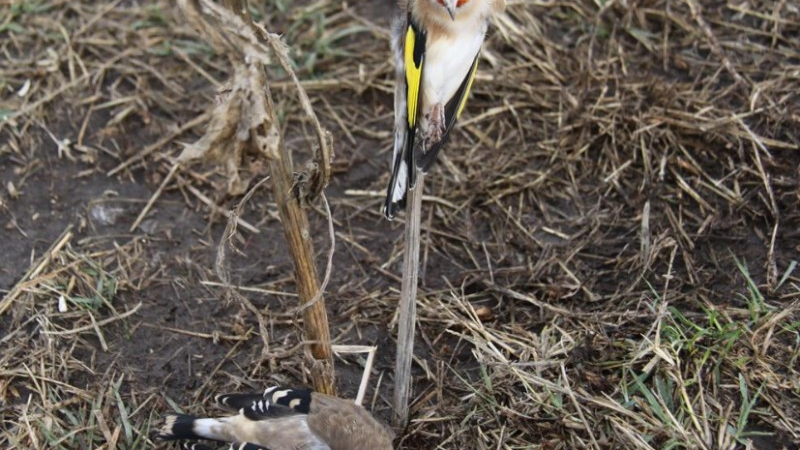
(609, 240)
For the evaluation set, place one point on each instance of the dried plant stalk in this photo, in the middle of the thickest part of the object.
(298, 236)
(245, 121)
(408, 306)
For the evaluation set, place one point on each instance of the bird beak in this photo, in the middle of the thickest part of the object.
(452, 11)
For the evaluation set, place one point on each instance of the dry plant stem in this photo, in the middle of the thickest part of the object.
(370, 351)
(210, 203)
(35, 270)
(250, 48)
(240, 7)
(320, 172)
(298, 236)
(408, 306)
(153, 198)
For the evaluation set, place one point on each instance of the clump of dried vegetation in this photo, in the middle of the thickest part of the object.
(609, 241)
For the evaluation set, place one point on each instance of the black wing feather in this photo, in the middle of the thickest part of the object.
(275, 402)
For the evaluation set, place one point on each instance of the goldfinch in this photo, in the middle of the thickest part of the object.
(436, 44)
(283, 419)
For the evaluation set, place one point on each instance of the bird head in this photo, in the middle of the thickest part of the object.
(451, 6)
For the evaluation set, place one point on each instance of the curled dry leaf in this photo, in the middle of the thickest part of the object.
(245, 104)
(234, 120)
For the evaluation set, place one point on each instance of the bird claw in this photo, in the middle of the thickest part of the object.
(435, 124)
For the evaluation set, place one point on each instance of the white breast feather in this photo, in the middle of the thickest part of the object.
(448, 63)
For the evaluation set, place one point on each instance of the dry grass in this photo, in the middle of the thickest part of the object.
(48, 398)
(609, 241)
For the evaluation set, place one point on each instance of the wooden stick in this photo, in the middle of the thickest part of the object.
(408, 306)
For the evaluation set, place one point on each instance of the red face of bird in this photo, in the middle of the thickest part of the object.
(451, 6)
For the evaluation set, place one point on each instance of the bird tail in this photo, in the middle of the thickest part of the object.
(396, 192)
(183, 426)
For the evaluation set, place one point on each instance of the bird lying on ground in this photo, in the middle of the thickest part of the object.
(436, 44)
(283, 419)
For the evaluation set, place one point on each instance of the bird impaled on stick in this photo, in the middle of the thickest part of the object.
(436, 45)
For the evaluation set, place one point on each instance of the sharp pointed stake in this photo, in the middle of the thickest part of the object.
(408, 305)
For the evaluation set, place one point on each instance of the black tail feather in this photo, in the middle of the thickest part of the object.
(176, 426)
(390, 206)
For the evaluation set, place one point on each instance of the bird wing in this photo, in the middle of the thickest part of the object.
(452, 111)
(345, 425)
(273, 403)
(413, 60)
(276, 419)
(408, 95)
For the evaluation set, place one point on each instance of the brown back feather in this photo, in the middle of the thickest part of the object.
(347, 426)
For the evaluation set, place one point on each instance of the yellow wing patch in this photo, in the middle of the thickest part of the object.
(469, 87)
(413, 76)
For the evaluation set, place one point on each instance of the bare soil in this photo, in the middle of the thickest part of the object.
(613, 181)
